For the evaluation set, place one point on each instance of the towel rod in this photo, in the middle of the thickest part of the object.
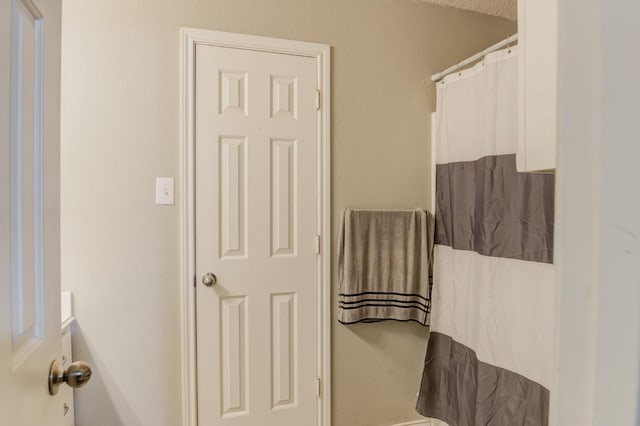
(506, 42)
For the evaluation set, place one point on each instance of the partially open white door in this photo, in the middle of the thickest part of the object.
(29, 210)
(257, 221)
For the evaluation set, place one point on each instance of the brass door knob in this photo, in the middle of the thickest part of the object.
(76, 375)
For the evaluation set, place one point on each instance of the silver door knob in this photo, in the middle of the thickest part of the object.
(76, 375)
(209, 279)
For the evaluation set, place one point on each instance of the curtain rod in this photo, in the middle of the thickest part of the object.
(477, 56)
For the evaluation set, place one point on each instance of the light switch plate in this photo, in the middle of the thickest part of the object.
(164, 190)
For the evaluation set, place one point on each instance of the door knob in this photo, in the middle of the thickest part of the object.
(209, 279)
(76, 375)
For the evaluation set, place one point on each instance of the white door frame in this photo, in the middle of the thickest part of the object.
(191, 37)
(597, 360)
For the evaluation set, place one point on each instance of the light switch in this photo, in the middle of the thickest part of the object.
(164, 190)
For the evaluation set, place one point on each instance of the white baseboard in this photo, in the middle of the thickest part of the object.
(425, 422)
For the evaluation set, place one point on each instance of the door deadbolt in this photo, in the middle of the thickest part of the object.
(209, 279)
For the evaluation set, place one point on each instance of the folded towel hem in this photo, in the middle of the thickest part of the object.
(370, 320)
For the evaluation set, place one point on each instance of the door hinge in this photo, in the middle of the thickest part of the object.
(317, 99)
(319, 387)
(317, 244)
(194, 281)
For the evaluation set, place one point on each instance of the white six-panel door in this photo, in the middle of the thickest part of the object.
(29, 210)
(256, 154)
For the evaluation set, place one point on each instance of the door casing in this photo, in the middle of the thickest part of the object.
(189, 38)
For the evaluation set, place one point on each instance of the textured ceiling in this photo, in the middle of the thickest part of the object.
(503, 8)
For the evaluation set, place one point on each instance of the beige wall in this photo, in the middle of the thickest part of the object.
(120, 130)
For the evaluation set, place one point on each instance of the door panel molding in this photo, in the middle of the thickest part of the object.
(30, 337)
(190, 38)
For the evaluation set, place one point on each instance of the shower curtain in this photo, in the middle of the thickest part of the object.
(489, 354)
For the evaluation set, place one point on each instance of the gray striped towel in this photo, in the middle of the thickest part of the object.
(384, 265)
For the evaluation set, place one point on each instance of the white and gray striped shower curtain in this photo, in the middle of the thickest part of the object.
(489, 355)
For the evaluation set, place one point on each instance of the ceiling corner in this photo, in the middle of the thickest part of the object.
(507, 9)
